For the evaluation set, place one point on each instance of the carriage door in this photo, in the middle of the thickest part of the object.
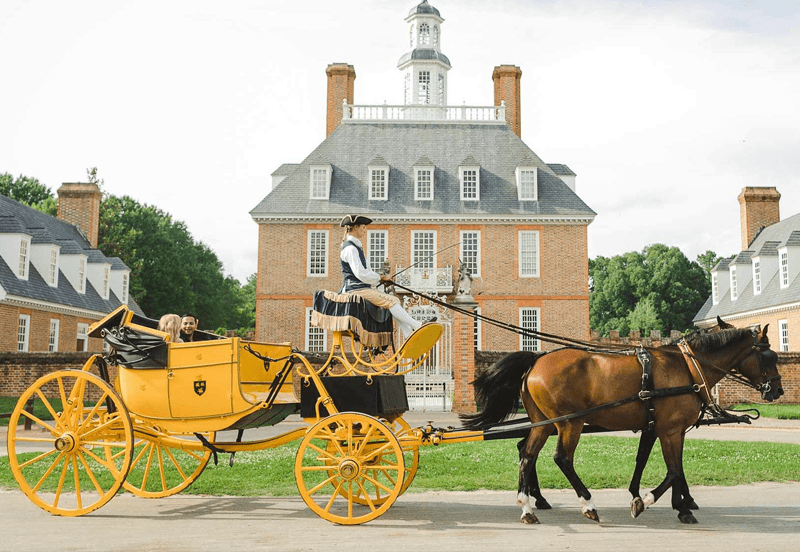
(430, 385)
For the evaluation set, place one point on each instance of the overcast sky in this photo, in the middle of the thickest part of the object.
(664, 109)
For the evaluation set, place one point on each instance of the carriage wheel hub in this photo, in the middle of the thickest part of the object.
(65, 443)
(348, 469)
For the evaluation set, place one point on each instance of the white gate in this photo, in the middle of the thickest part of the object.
(430, 385)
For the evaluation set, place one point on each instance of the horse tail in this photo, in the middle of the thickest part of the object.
(497, 389)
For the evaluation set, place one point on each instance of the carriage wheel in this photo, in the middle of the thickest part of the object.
(349, 468)
(160, 468)
(88, 444)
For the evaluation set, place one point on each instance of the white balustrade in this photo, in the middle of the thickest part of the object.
(416, 113)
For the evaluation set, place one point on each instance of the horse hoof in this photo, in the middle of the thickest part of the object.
(530, 519)
(693, 505)
(637, 507)
(542, 504)
(687, 517)
(591, 514)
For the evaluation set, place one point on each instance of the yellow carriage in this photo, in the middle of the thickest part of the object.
(153, 429)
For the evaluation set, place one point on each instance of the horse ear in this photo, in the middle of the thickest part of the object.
(764, 331)
(722, 324)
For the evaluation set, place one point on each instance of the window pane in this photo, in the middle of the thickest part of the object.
(424, 87)
(470, 253)
(423, 248)
(377, 188)
(529, 320)
(22, 333)
(529, 253)
(319, 183)
(317, 253)
(527, 184)
(376, 245)
(314, 336)
(469, 184)
(424, 187)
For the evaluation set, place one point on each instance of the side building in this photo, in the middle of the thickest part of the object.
(54, 282)
(760, 285)
(444, 185)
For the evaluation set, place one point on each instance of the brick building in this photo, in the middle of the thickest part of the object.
(444, 185)
(54, 282)
(760, 285)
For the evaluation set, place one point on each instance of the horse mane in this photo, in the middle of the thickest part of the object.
(714, 341)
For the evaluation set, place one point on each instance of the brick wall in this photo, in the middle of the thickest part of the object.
(18, 371)
(39, 337)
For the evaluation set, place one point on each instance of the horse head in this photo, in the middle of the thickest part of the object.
(761, 366)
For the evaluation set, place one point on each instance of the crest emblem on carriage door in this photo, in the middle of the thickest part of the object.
(200, 387)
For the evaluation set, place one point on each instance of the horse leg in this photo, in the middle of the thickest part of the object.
(568, 436)
(528, 478)
(646, 442)
(672, 450)
(690, 501)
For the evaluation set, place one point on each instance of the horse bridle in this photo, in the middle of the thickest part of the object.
(761, 350)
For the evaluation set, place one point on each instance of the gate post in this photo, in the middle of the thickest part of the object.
(463, 355)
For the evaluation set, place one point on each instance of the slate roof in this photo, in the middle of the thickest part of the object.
(353, 146)
(424, 54)
(424, 8)
(765, 244)
(46, 229)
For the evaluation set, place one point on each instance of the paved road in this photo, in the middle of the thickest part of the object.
(764, 516)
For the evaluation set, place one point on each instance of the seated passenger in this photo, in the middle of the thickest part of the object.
(171, 324)
(360, 280)
(189, 323)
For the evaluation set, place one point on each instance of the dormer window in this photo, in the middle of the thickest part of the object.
(24, 254)
(527, 179)
(423, 182)
(469, 182)
(125, 281)
(321, 181)
(714, 289)
(82, 275)
(53, 267)
(378, 180)
(784, 256)
(106, 277)
(756, 277)
(734, 290)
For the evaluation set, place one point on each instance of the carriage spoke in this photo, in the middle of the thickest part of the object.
(61, 482)
(56, 418)
(76, 476)
(89, 417)
(161, 468)
(176, 464)
(90, 473)
(47, 473)
(367, 497)
(38, 458)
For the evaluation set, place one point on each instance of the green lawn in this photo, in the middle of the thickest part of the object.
(779, 411)
(602, 462)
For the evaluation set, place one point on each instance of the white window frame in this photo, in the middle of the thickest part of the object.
(523, 194)
(756, 276)
(424, 34)
(714, 289)
(524, 261)
(417, 172)
(106, 280)
(373, 172)
(783, 335)
(783, 255)
(83, 334)
(376, 256)
(427, 259)
(82, 275)
(314, 335)
(24, 258)
(52, 340)
(320, 181)
(734, 283)
(125, 284)
(424, 87)
(314, 257)
(53, 267)
(23, 333)
(465, 235)
(440, 92)
(528, 343)
(462, 183)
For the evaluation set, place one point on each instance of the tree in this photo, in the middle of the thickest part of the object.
(658, 288)
(29, 191)
(708, 260)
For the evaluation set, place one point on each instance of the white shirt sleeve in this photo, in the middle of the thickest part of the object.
(350, 255)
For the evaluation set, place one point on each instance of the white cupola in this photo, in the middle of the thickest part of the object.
(425, 66)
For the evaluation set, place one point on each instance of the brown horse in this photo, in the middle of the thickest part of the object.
(570, 381)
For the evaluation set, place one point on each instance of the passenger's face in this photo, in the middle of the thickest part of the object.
(188, 325)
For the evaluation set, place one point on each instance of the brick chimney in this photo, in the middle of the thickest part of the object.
(79, 204)
(507, 88)
(758, 207)
(341, 77)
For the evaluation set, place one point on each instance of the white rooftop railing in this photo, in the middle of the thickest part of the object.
(416, 113)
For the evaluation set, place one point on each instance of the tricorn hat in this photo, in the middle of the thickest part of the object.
(355, 220)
